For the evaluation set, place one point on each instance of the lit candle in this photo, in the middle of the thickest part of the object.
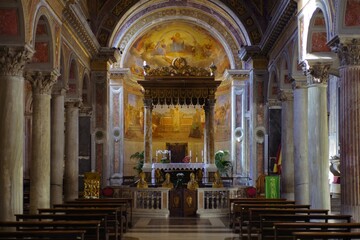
(144, 64)
(202, 155)
(190, 154)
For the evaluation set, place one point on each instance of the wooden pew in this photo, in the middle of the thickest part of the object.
(268, 220)
(285, 230)
(112, 212)
(128, 201)
(242, 212)
(233, 202)
(253, 225)
(92, 228)
(102, 218)
(98, 205)
(326, 235)
(44, 234)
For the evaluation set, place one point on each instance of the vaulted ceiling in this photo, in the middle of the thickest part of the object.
(254, 15)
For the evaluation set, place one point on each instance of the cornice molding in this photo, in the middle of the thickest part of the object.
(287, 9)
(72, 18)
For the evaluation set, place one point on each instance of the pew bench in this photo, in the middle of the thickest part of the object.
(233, 201)
(44, 234)
(92, 228)
(241, 211)
(285, 230)
(98, 205)
(127, 200)
(253, 223)
(268, 221)
(114, 214)
(326, 235)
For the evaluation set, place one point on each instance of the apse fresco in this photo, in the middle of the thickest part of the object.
(161, 44)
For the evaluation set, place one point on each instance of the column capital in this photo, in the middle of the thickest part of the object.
(348, 50)
(316, 72)
(13, 59)
(298, 82)
(148, 103)
(274, 103)
(73, 103)
(286, 95)
(41, 82)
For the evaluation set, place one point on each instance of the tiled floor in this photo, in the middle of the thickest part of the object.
(180, 228)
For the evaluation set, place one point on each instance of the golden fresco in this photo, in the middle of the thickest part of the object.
(161, 44)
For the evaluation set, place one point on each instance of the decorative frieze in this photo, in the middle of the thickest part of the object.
(13, 60)
(41, 82)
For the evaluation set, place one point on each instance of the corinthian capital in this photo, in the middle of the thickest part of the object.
(348, 52)
(41, 82)
(13, 59)
(316, 72)
(285, 95)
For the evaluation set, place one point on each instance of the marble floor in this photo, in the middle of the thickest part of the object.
(180, 228)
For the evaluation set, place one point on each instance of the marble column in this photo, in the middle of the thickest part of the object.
(57, 146)
(12, 61)
(71, 170)
(211, 131)
(348, 52)
(318, 143)
(206, 134)
(301, 164)
(42, 83)
(147, 134)
(287, 144)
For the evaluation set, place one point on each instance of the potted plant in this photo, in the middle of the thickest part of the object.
(139, 156)
(223, 162)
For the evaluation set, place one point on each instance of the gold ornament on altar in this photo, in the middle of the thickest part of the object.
(91, 185)
(192, 184)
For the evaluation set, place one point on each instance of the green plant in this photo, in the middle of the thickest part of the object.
(223, 162)
(139, 156)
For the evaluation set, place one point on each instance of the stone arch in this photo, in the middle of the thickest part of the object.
(347, 17)
(285, 71)
(12, 22)
(273, 84)
(86, 89)
(317, 33)
(73, 79)
(43, 58)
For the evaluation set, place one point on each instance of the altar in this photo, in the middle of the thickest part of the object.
(201, 171)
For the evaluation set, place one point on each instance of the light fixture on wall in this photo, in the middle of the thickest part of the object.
(239, 134)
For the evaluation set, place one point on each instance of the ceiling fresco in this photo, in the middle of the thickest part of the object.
(164, 42)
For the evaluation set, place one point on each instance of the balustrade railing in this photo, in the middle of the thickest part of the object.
(151, 200)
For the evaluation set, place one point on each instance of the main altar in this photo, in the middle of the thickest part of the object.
(177, 86)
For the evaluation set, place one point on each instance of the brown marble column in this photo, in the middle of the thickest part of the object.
(206, 135)
(211, 131)
(147, 135)
(57, 146)
(12, 61)
(42, 83)
(348, 52)
(71, 170)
